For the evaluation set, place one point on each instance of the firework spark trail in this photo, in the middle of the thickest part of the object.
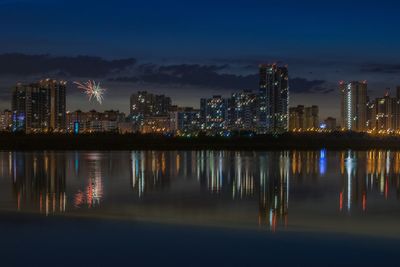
(92, 89)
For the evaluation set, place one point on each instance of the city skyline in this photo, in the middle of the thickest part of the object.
(184, 94)
(73, 89)
(169, 52)
(40, 107)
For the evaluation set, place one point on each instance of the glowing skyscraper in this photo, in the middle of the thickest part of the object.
(273, 106)
(353, 105)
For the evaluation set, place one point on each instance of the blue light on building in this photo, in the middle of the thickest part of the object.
(76, 127)
(18, 122)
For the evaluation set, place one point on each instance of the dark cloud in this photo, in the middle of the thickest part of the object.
(193, 74)
(381, 68)
(79, 66)
(213, 76)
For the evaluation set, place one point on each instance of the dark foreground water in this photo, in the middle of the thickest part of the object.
(294, 208)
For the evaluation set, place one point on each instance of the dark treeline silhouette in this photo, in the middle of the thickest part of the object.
(113, 141)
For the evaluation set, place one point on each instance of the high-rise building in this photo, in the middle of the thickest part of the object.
(384, 119)
(39, 107)
(5, 120)
(303, 118)
(398, 92)
(396, 113)
(396, 110)
(353, 105)
(144, 104)
(242, 111)
(371, 114)
(162, 104)
(311, 117)
(384, 114)
(213, 114)
(273, 99)
(185, 120)
(296, 118)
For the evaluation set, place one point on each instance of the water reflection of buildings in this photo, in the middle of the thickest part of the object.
(226, 174)
(93, 193)
(262, 179)
(368, 173)
(243, 183)
(308, 163)
(213, 170)
(274, 189)
(39, 181)
(149, 170)
(353, 186)
(383, 169)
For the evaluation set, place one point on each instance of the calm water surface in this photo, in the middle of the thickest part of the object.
(321, 191)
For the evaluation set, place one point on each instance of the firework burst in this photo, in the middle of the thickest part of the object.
(92, 90)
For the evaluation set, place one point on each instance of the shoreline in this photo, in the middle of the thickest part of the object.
(111, 141)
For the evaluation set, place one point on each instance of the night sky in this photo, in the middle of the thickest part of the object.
(193, 49)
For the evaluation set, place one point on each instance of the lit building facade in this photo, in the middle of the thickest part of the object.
(296, 118)
(353, 105)
(242, 111)
(6, 120)
(39, 107)
(213, 113)
(146, 107)
(144, 104)
(312, 117)
(384, 114)
(273, 104)
(156, 125)
(185, 120)
(303, 118)
(93, 121)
